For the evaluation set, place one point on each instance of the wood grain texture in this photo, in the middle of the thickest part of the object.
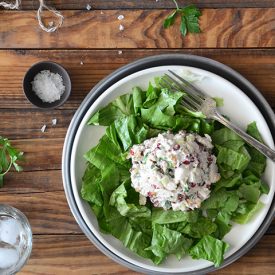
(67, 254)
(239, 34)
(48, 212)
(40, 154)
(257, 65)
(221, 28)
(145, 4)
(27, 123)
(28, 182)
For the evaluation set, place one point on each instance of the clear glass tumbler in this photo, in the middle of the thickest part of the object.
(15, 240)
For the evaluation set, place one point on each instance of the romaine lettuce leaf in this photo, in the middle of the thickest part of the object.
(258, 161)
(202, 227)
(161, 216)
(209, 248)
(117, 199)
(246, 211)
(166, 241)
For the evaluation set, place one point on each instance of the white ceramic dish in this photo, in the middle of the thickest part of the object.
(237, 106)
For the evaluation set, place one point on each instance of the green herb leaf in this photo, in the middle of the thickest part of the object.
(191, 15)
(170, 19)
(183, 27)
(8, 158)
(189, 19)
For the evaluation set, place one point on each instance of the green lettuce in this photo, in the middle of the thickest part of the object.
(209, 248)
(154, 233)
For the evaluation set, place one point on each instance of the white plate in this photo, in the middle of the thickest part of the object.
(237, 106)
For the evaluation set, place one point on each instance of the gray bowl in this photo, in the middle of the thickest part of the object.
(54, 68)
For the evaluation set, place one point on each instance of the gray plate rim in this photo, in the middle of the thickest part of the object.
(141, 64)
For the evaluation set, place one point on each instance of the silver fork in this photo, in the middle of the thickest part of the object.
(197, 101)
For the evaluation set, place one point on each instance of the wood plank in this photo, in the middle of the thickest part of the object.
(145, 4)
(32, 182)
(48, 213)
(40, 154)
(27, 123)
(221, 28)
(76, 255)
(256, 65)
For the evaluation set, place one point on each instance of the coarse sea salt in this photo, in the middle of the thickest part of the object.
(120, 17)
(43, 129)
(48, 86)
(54, 121)
(121, 27)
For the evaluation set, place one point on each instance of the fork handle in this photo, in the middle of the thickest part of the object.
(268, 152)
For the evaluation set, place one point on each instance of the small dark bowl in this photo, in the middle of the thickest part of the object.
(54, 68)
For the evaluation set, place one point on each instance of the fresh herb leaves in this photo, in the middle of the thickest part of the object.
(189, 19)
(8, 158)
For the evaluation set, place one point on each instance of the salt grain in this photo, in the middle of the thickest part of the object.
(121, 27)
(54, 121)
(120, 17)
(81, 62)
(43, 128)
(48, 86)
(119, 52)
(88, 7)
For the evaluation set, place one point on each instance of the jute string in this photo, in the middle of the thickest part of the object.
(11, 6)
(50, 28)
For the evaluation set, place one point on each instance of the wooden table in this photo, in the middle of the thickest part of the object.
(240, 34)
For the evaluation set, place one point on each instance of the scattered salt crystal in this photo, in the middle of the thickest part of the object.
(51, 24)
(120, 17)
(101, 12)
(48, 86)
(43, 128)
(121, 27)
(81, 62)
(54, 121)
(8, 257)
(119, 52)
(88, 7)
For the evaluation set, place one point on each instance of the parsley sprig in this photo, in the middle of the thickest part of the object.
(8, 158)
(189, 19)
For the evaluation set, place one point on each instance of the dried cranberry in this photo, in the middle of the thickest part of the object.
(176, 147)
(186, 162)
(132, 152)
(180, 197)
(192, 184)
(150, 194)
(158, 145)
(210, 159)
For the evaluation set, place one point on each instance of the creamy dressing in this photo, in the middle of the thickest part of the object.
(174, 171)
